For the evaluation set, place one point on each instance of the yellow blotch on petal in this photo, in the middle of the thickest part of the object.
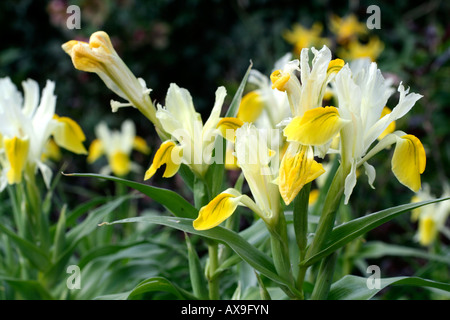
(16, 150)
(427, 230)
(96, 150)
(313, 196)
(228, 126)
(316, 127)
(296, 170)
(69, 135)
(140, 145)
(409, 161)
(51, 151)
(170, 155)
(335, 66)
(216, 211)
(390, 128)
(230, 160)
(279, 80)
(120, 163)
(251, 107)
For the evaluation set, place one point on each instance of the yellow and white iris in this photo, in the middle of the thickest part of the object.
(305, 97)
(27, 125)
(193, 141)
(362, 94)
(254, 158)
(117, 147)
(431, 218)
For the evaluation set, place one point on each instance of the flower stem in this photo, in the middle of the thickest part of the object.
(213, 251)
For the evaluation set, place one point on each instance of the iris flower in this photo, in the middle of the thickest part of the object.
(117, 146)
(431, 218)
(192, 141)
(255, 160)
(362, 94)
(27, 124)
(305, 95)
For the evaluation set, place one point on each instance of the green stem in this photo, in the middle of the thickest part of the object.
(213, 251)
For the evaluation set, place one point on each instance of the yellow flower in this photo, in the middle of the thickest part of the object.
(347, 28)
(356, 50)
(26, 127)
(100, 57)
(301, 37)
(117, 146)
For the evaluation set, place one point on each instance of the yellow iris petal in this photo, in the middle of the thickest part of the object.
(335, 66)
(316, 127)
(166, 154)
(51, 151)
(69, 135)
(409, 161)
(296, 170)
(96, 150)
(251, 107)
(227, 127)
(140, 145)
(390, 128)
(120, 163)
(90, 57)
(427, 230)
(230, 160)
(313, 196)
(216, 211)
(279, 80)
(16, 150)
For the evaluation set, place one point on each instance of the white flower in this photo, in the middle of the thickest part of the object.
(117, 146)
(27, 124)
(193, 141)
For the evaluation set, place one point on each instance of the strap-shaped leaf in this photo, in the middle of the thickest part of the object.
(356, 288)
(346, 232)
(234, 106)
(377, 249)
(257, 259)
(172, 201)
(37, 257)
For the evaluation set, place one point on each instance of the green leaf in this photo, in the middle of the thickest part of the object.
(377, 249)
(355, 288)
(28, 289)
(346, 232)
(172, 201)
(234, 106)
(151, 285)
(76, 234)
(37, 257)
(257, 259)
(198, 280)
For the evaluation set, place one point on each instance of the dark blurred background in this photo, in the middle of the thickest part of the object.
(202, 44)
